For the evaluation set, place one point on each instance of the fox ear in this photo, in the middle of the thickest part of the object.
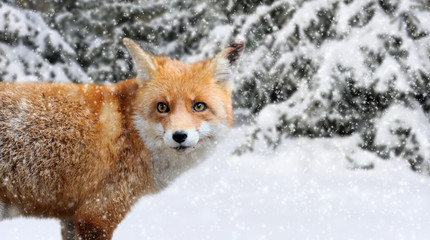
(143, 61)
(226, 60)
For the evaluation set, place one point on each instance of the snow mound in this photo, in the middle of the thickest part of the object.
(304, 190)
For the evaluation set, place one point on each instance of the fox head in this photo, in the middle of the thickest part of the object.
(182, 107)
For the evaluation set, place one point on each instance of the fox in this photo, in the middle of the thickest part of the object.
(85, 153)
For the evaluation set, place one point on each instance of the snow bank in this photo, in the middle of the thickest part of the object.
(304, 190)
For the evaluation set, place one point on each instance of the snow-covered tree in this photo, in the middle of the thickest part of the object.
(95, 30)
(341, 67)
(32, 51)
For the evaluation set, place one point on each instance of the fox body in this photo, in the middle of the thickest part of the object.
(86, 153)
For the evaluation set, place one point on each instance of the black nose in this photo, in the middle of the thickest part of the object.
(179, 136)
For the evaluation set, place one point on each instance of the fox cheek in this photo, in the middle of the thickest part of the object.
(206, 130)
(158, 130)
(212, 130)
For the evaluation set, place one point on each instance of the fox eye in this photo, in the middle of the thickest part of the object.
(162, 108)
(199, 107)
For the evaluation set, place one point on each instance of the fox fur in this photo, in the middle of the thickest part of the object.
(85, 153)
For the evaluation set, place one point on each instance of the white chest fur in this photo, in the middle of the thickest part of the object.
(167, 163)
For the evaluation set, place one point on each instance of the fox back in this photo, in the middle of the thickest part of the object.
(86, 153)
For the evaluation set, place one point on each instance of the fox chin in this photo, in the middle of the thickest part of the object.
(85, 153)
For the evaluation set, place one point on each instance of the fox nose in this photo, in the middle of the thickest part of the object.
(179, 136)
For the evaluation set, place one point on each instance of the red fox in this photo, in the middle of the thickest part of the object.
(86, 153)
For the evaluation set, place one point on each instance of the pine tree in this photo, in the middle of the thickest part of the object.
(32, 51)
(336, 68)
(96, 29)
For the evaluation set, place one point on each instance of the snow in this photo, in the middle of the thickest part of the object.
(401, 117)
(390, 71)
(40, 70)
(27, 23)
(23, 57)
(303, 190)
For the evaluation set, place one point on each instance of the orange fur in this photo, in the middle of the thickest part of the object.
(74, 140)
(76, 152)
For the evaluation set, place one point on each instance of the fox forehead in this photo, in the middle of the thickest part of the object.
(175, 81)
(176, 75)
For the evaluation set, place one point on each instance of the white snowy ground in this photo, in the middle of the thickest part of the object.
(304, 190)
